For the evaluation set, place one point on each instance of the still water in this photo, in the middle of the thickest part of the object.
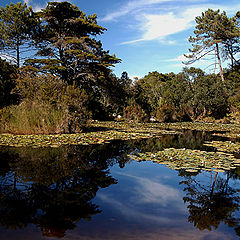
(98, 192)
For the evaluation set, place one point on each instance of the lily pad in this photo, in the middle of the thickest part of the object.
(190, 160)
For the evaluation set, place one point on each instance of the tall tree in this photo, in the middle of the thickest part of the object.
(16, 28)
(68, 46)
(231, 35)
(213, 30)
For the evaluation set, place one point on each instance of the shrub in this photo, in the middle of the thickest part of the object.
(48, 106)
(164, 113)
(31, 118)
(134, 113)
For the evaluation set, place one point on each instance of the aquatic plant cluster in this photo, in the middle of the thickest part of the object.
(191, 160)
(113, 131)
(103, 132)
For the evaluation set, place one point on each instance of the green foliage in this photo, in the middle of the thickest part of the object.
(68, 48)
(234, 106)
(7, 75)
(48, 106)
(214, 30)
(192, 95)
(17, 26)
(210, 97)
(32, 118)
(113, 96)
(177, 94)
(134, 113)
(147, 90)
(165, 113)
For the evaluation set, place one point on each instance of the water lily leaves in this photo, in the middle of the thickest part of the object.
(190, 160)
(117, 130)
(66, 139)
(226, 146)
(234, 128)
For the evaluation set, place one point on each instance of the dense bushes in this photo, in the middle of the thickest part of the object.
(63, 60)
(190, 95)
(7, 83)
(134, 113)
(48, 105)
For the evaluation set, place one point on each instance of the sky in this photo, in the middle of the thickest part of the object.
(147, 35)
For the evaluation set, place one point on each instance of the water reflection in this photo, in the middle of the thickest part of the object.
(51, 188)
(212, 202)
(54, 189)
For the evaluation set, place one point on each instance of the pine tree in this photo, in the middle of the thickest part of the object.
(17, 26)
(68, 46)
(214, 31)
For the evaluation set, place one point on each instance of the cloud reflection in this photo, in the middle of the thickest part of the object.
(142, 193)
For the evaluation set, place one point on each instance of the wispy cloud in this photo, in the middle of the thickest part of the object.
(180, 58)
(38, 7)
(131, 6)
(160, 26)
(171, 17)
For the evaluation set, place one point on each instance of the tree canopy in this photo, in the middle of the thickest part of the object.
(213, 31)
(68, 47)
(17, 26)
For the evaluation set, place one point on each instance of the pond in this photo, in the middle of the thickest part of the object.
(107, 191)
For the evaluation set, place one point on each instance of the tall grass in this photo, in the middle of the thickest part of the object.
(48, 105)
(33, 118)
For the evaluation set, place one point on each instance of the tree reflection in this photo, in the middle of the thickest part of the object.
(52, 188)
(212, 203)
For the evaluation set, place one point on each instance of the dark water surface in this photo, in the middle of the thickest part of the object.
(98, 192)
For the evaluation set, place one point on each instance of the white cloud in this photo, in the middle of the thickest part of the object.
(8, 57)
(132, 211)
(160, 26)
(145, 193)
(153, 191)
(180, 58)
(169, 19)
(38, 7)
(131, 6)
(27, 1)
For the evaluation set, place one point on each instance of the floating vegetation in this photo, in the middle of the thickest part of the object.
(113, 131)
(66, 139)
(226, 146)
(228, 134)
(99, 137)
(190, 160)
(220, 127)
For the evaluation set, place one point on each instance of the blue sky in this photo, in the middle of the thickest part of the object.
(148, 35)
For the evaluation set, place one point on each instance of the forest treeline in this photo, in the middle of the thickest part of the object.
(55, 74)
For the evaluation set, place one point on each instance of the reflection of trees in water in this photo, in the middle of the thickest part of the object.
(188, 139)
(53, 188)
(211, 203)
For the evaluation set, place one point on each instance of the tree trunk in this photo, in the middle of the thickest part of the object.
(213, 185)
(219, 63)
(18, 56)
